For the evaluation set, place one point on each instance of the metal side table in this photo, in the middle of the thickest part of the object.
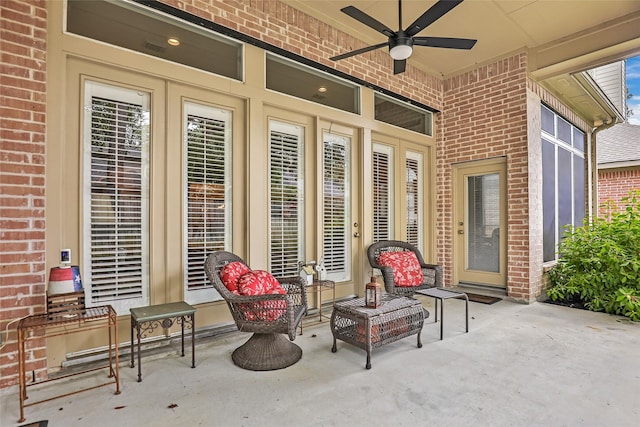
(441, 294)
(144, 320)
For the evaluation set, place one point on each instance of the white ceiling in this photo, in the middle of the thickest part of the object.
(561, 35)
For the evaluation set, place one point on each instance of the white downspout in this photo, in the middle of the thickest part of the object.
(592, 169)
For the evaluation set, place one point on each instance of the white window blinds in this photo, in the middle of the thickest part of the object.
(414, 187)
(116, 214)
(336, 204)
(207, 133)
(382, 192)
(286, 198)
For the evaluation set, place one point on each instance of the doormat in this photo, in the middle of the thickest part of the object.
(483, 299)
(43, 423)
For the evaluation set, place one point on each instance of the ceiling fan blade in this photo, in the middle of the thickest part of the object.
(358, 51)
(445, 42)
(434, 13)
(367, 20)
(399, 66)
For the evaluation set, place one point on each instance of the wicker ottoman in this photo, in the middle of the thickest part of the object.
(369, 328)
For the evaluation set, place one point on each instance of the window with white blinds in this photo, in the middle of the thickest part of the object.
(286, 198)
(116, 187)
(207, 139)
(414, 187)
(336, 206)
(382, 192)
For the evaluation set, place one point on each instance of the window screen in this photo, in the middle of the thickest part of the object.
(208, 156)
(116, 190)
(286, 198)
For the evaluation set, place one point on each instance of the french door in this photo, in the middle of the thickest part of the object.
(480, 223)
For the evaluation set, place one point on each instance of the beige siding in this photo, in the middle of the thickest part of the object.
(612, 80)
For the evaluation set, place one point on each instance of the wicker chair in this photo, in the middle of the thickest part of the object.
(267, 349)
(432, 273)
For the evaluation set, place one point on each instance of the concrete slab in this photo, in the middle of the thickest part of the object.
(520, 365)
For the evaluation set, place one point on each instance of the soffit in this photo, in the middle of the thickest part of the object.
(562, 38)
(554, 31)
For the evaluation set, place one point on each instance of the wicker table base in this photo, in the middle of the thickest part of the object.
(368, 328)
(266, 352)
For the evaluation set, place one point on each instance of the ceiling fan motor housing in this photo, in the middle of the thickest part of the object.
(400, 46)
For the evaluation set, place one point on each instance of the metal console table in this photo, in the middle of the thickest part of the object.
(60, 324)
(144, 320)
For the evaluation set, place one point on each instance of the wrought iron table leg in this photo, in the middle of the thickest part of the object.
(21, 372)
(441, 318)
(139, 358)
(193, 340)
(133, 349)
(182, 334)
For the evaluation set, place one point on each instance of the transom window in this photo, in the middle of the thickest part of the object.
(306, 83)
(403, 115)
(144, 30)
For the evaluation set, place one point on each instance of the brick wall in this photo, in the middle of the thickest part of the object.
(23, 26)
(614, 184)
(485, 115)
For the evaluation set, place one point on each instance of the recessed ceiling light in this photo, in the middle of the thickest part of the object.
(322, 89)
(173, 41)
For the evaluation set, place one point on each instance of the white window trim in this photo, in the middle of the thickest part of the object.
(419, 158)
(390, 152)
(299, 131)
(92, 88)
(208, 294)
(339, 276)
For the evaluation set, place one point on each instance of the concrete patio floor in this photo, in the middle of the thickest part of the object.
(520, 365)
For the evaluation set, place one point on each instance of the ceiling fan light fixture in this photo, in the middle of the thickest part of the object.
(401, 48)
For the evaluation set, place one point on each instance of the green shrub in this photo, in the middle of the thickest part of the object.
(599, 263)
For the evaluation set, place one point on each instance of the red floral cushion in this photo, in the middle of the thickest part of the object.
(406, 268)
(259, 282)
(230, 273)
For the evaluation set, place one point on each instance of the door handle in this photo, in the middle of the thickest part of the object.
(460, 231)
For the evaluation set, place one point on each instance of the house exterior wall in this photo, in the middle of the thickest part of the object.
(485, 116)
(612, 80)
(614, 184)
(497, 99)
(23, 68)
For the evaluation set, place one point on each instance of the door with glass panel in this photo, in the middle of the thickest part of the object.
(480, 223)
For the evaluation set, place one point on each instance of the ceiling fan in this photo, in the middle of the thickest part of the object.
(401, 42)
